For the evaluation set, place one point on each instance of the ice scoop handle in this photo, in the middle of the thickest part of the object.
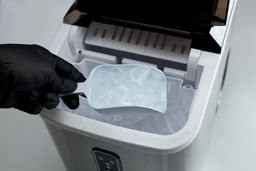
(80, 90)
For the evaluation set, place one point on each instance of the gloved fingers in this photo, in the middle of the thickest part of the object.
(51, 100)
(62, 67)
(28, 102)
(7, 96)
(34, 101)
(72, 101)
(60, 85)
(67, 70)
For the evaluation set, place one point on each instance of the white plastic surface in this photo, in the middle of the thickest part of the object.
(140, 140)
(126, 85)
(203, 105)
(179, 100)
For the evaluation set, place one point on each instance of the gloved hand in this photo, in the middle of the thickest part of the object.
(31, 77)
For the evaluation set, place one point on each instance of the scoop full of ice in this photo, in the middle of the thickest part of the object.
(126, 85)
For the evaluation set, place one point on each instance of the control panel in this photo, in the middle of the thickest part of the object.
(106, 160)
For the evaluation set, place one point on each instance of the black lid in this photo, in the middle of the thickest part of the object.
(187, 17)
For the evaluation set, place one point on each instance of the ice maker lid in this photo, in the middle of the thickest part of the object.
(192, 16)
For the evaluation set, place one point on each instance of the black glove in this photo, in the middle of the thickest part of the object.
(31, 77)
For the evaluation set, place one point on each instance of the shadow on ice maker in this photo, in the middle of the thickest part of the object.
(188, 40)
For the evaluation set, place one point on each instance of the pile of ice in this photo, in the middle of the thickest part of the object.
(127, 85)
(179, 99)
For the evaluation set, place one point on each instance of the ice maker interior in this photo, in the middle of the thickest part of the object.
(187, 48)
(179, 99)
(109, 44)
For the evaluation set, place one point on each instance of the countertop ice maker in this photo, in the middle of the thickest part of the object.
(189, 40)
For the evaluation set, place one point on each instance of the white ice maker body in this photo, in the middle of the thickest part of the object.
(88, 143)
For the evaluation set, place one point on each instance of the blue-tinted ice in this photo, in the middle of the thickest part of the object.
(179, 99)
(126, 85)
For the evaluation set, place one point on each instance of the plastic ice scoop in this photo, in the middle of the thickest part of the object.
(125, 85)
